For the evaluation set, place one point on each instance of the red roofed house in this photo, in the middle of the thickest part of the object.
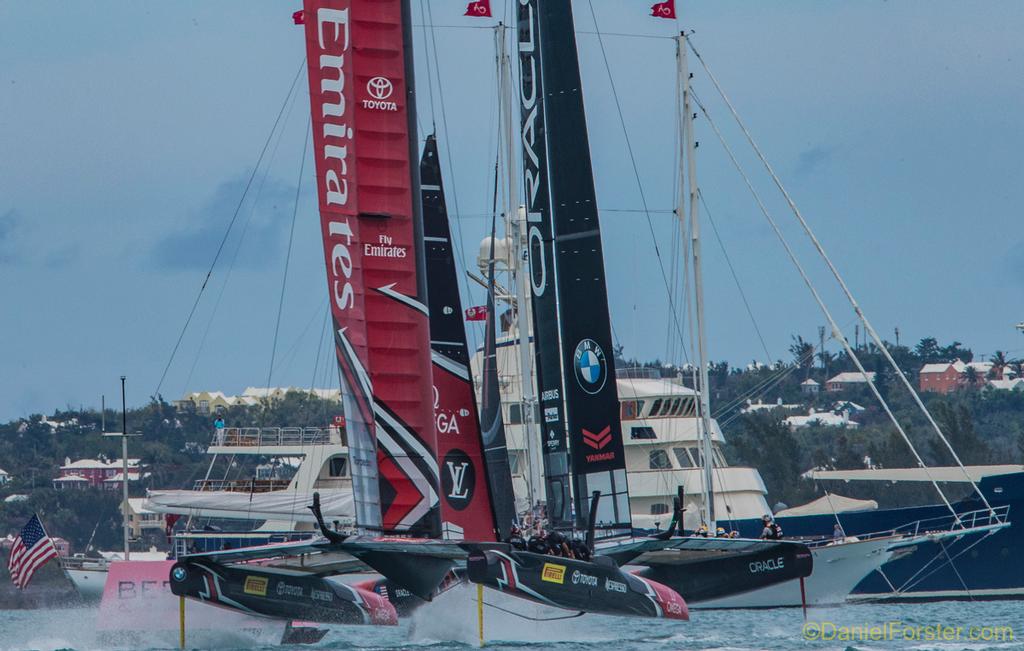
(950, 376)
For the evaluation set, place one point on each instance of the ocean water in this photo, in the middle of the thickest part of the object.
(451, 624)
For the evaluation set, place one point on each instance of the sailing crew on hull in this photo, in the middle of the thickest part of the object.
(515, 538)
(772, 530)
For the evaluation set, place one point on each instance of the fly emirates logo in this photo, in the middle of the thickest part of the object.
(335, 118)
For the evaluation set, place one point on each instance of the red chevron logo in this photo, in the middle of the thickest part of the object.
(599, 440)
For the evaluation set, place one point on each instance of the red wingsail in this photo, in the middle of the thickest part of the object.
(360, 80)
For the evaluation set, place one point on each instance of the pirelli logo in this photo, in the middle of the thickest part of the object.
(256, 585)
(553, 573)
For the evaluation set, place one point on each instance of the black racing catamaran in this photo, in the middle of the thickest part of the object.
(581, 433)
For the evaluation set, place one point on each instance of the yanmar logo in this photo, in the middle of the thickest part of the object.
(553, 573)
(255, 585)
(599, 440)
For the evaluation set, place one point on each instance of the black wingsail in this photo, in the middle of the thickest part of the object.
(572, 330)
(476, 482)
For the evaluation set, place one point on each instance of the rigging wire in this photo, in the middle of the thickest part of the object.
(735, 278)
(842, 283)
(821, 304)
(231, 223)
(284, 278)
(238, 246)
(636, 171)
(288, 255)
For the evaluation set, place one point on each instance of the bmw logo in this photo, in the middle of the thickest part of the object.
(178, 574)
(590, 365)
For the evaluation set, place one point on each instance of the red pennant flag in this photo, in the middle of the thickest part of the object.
(666, 9)
(479, 9)
(478, 313)
(299, 18)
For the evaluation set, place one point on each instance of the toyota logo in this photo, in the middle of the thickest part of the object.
(379, 88)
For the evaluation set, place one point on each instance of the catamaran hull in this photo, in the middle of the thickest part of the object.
(574, 585)
(837, 570)
(280, 594)
(701, 577)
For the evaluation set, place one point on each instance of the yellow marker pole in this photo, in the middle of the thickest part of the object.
(480, 611)
(181, 622)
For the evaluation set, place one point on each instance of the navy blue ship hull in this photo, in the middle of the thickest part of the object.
(975, 566)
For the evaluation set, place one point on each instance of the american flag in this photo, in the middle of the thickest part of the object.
(31, 550)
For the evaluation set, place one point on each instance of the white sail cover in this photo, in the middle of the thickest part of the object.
(274, 505)
(831, 503)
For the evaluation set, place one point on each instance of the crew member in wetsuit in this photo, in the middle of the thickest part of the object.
(558, 545)
(515, 538)
(580, 550)
(771, 531)
(538, 544)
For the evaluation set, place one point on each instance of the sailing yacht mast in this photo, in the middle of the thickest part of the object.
(515, 227)
(690, 185)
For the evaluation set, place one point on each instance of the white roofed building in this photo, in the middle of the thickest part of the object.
(821, 418)
(848, 380)
(216, 402)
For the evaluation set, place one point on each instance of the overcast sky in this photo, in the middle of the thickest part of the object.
(128, 132)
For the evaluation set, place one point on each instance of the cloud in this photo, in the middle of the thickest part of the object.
(258, 234)
(811, 159)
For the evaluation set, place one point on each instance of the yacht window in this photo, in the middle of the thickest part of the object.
(696, 455)
(629, 411)
(339, 467)
(688, 407)
(639, 408)
(659, 509)
(719, 458)
(515, 414)
(666, 406)
(513, 462)
(684, 459)
(675, 406)
(660, 460)
(642, 433)
(655, 407)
